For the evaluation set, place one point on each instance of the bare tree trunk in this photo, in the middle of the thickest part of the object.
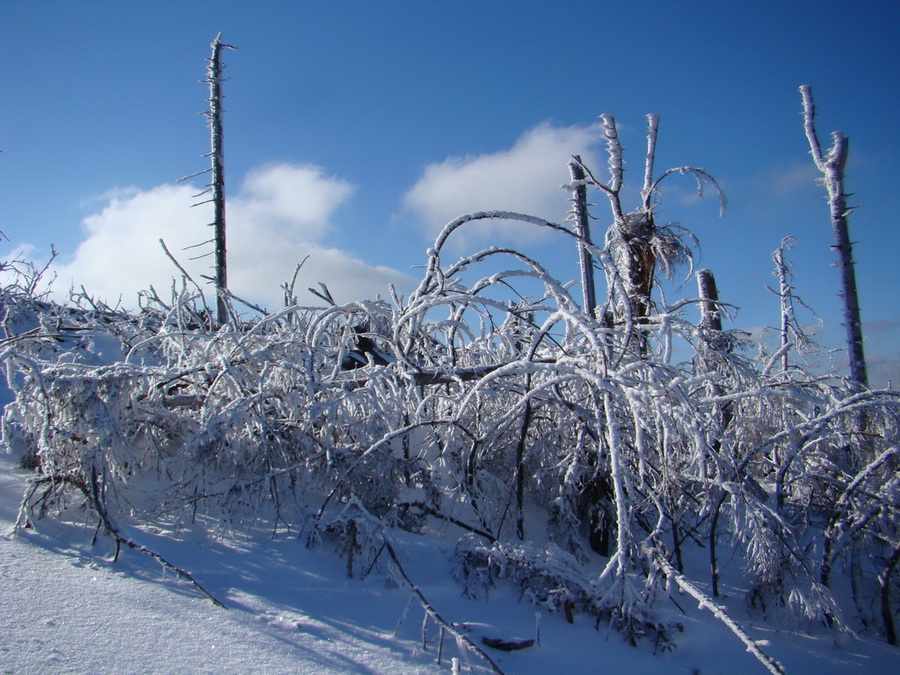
(583, 230)
(884, 584)
(713, 541)
(711, 325)
(217, 157)
(521, 447)
(832, 168)
(710, 315)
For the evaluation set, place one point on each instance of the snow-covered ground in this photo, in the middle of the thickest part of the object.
(65, 607)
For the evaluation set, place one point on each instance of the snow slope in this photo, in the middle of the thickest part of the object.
(65, 607)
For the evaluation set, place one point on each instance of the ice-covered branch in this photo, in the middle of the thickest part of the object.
(717, 610)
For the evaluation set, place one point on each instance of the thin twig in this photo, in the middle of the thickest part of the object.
(432, 613)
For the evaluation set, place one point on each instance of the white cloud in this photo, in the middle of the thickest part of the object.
(298, 198)
(281, 215)
(525, 178)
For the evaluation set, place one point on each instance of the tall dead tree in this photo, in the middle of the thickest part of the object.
(832, 168)
(217, 184)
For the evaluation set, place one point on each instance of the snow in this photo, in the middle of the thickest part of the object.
(67, 607)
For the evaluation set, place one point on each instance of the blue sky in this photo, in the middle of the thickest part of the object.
(355, 129)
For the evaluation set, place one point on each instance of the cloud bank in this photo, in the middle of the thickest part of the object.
(281, 215)
(525, 178)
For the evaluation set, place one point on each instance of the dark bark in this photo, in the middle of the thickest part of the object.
(521, 447)
(583, 230)
(884, 583)
(710, 315)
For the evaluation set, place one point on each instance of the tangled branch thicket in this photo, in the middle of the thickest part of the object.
(475, 407)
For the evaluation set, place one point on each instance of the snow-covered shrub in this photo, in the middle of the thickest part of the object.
(548, 576)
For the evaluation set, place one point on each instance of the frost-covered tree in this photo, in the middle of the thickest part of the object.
(216, 186)
(832, 166)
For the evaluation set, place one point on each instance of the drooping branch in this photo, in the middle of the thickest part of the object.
(717, 610)
(92, 487)
(461, 638)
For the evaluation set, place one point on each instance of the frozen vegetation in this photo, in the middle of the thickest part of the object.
(483, 471)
